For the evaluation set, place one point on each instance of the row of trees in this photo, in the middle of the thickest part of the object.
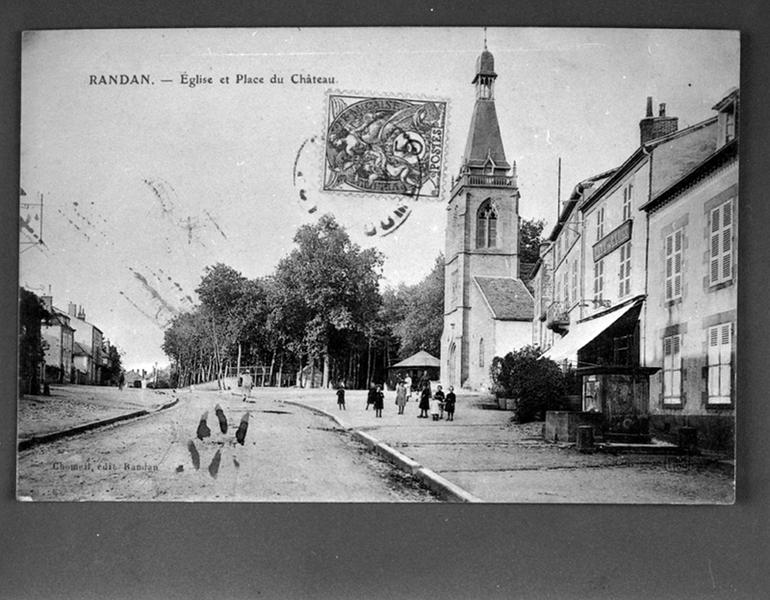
(320, 309)
(320, 313)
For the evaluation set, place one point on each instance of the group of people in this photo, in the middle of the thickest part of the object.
(431, 405)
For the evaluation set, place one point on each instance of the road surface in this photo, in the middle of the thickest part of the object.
(288, 454)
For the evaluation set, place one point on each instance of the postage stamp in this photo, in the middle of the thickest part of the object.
(383, 145)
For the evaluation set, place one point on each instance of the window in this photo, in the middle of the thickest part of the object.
(621, 350)
(486, 226)
(575, 280)
(719, 370)
(729, 126)
(565, 286)
(600, 224)
(674, 265)
(627, 201)
(598, 280)
(481, 352)
(672, 370)
(625, 270)
(721, 232)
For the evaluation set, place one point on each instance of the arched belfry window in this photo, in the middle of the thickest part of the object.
(486, 226)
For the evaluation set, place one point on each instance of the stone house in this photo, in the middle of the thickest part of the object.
(690, 324)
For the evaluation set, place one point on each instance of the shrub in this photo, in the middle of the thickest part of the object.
(536, 384)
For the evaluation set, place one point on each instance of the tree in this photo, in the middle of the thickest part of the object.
(114, 365)
(530, 238)
(536, 384)
(220, 291)
(31, 344)
(326, 285)
(423, 313)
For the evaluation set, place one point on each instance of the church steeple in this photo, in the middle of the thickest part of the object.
(484, 153)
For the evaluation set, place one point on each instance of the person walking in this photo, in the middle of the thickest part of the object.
(371, 396)
(439, 397)
(449, 404)
(341, 396)
(379, 402)
(424, 402)
(401, 397)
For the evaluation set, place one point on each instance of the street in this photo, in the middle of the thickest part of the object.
(288, 454)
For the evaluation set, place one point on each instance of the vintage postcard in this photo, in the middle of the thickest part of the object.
(379, 265)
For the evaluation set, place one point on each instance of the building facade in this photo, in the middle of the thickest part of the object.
(487, 309)
(690, 324)
(650, 323)
(59, 338)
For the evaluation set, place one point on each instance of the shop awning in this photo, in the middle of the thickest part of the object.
(584, 332)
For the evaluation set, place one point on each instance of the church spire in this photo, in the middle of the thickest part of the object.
(484, 149)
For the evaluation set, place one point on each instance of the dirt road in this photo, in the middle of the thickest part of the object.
(288, 454)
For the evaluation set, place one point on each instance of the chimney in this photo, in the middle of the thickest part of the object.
(81, 314)
(652, 128)
(72, 310)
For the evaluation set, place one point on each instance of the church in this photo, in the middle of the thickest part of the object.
(488, 310)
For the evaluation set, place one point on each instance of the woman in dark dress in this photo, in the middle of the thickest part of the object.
(379, 402)
(424, 401)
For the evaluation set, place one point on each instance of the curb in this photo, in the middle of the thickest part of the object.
(432, 480)
(30, 442)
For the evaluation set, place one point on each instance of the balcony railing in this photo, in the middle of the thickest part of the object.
(557, 316)
(485, 180)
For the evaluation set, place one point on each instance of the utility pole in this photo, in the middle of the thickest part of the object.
(558, 192)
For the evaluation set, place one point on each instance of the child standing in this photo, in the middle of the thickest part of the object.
(401, 397)
(424, 402)
(449, 403)
(438, 410)
(379, 402)
(341, 396)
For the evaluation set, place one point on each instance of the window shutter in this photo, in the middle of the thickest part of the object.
(727, 240)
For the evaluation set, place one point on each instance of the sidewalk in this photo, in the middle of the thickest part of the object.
(494, 460)
(70, 408)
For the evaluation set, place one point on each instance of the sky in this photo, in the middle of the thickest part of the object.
(143, 186)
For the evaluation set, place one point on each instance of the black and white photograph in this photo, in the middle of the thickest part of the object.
(379, 265)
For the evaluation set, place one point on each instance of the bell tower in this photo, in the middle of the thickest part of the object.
(482, 232)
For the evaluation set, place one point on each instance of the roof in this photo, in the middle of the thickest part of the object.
(678, 158)
(724, 154)
(79, 349)
(484, 139)
(730, 96)
(485, 65)
(507, 297)
(583, 190)
(421, 359)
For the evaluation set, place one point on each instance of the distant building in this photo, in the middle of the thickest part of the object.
(59, 338)
(487, 308)
(87, 347)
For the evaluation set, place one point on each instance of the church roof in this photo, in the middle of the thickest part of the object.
(484, 139)
(485, 65)
(507, 297)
